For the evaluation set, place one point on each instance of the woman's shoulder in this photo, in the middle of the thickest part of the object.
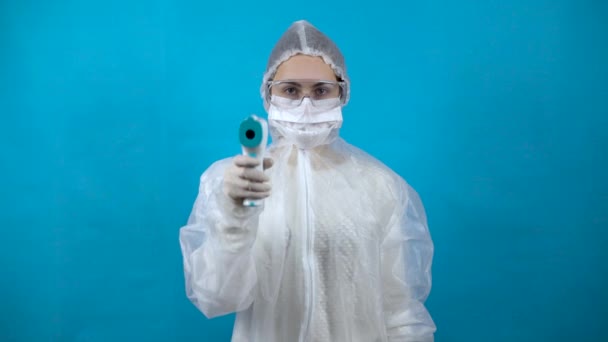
(371, 166)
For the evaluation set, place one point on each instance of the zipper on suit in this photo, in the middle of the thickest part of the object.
(309, 254)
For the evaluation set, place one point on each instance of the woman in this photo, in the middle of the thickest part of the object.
(340, 249)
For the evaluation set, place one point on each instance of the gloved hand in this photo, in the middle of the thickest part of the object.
(242, 179)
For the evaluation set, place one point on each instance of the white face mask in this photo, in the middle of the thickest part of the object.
(305, 126)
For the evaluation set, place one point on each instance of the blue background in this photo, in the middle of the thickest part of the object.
(495, 111)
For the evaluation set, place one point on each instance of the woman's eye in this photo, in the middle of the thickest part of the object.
(290, 90)
(321, 91)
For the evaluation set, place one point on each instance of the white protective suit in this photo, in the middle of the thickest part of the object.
(340, 251)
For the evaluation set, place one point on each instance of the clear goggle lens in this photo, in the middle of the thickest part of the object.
(289, 94)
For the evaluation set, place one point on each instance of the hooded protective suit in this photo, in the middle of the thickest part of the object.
(340, 251)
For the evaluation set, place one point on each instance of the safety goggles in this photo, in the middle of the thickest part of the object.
(289, 94)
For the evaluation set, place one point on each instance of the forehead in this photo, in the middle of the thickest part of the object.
(303, 67)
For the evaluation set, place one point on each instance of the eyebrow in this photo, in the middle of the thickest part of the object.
(291, 83)
(294, 83)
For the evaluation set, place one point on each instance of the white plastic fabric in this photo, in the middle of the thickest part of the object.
(306, 112)
(305, 126)
(340, 251)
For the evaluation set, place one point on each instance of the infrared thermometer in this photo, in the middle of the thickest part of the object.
(253, 135)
